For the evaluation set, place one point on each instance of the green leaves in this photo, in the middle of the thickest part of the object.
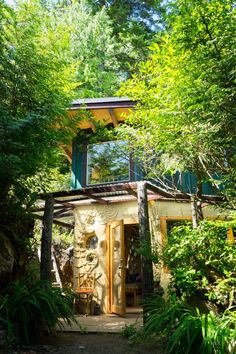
(93, 48)
(34, 306)
(189, 331)
(36, 89)
(202, 262)
(186, 90)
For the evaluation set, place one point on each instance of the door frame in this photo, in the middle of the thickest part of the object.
(130, 221)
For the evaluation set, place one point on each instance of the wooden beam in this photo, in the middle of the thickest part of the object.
(92, 126)
(230, 236)
(145, 240)
(68, 151)
(94, 197)
(66, 214)
(63, 224)
(36, 210)
(133, 193)
(46, 240)
(61, 211)
(91, 190)
(64, 202)
(90, 196)
(159, 190)
(57, 222)
(113, 117)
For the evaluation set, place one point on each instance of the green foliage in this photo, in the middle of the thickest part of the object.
(186, 89)
(134, 24)
(132, 334)
(175, 321)
(34, 306)
(200, 317)
(202, 262)
(148, 252)
(64, 236)
(93, 48)
(37, 82)
(187, 330)
(36, 88)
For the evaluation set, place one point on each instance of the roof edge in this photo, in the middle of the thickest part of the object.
(101, 103)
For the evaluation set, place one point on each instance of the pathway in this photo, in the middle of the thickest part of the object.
(109, 323)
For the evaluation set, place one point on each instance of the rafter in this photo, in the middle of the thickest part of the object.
(68, 151)
(61, 212)
(113, 117)
(133, 193)
(57, 222)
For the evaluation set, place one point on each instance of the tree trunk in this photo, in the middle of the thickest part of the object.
(46, 240)
(196, 205)
(145, 240)
(196, 208)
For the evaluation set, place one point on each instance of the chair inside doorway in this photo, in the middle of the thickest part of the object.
(133, 285)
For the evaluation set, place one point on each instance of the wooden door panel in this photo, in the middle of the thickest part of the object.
(117, 267)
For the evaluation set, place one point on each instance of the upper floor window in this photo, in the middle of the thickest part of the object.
(108, 163)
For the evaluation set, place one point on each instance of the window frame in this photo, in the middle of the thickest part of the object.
(85, 168)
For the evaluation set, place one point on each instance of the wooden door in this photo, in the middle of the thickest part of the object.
(117, 268)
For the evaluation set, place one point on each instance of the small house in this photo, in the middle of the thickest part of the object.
(115, 210)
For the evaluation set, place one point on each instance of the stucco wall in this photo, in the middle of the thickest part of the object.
(92, 220)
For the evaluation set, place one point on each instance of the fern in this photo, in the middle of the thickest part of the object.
(34, 306)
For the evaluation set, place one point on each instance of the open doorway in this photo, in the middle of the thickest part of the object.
(133, 285)
(124, 266)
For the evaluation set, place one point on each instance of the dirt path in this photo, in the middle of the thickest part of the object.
(75, 343)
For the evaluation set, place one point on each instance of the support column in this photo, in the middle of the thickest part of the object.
(145, 240)
(46, 240)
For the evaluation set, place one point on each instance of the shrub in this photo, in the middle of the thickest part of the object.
(34, 306)
(203, 263)
(133, 334)
(188, 331)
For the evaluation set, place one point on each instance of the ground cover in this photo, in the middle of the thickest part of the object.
(76, 343)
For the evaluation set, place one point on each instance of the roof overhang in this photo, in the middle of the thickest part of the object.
(108, 110)
(102, 103)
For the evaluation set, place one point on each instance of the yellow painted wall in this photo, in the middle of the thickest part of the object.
(92, 220)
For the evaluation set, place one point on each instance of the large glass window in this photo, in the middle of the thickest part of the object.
(108, 162)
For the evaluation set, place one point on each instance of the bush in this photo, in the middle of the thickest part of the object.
(34, 306)
(188, 331)
(203, 263)
(133, 334)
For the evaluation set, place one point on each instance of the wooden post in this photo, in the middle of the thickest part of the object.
(145, 239)
(46, 240)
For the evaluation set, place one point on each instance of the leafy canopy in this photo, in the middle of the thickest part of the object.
(186, 89)
(36, 87)
(133, 23)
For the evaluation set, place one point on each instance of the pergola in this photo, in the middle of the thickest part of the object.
(58, 209)
(66, 201)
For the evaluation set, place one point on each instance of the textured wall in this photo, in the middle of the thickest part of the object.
(92, 220)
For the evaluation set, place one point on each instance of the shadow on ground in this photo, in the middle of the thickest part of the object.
(92, 343)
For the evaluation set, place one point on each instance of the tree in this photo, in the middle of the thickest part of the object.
(134, 24)
(93, 47)
(36, 86)
(186, 89)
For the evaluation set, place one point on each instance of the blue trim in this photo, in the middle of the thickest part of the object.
(77, 165)
(185, 181)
